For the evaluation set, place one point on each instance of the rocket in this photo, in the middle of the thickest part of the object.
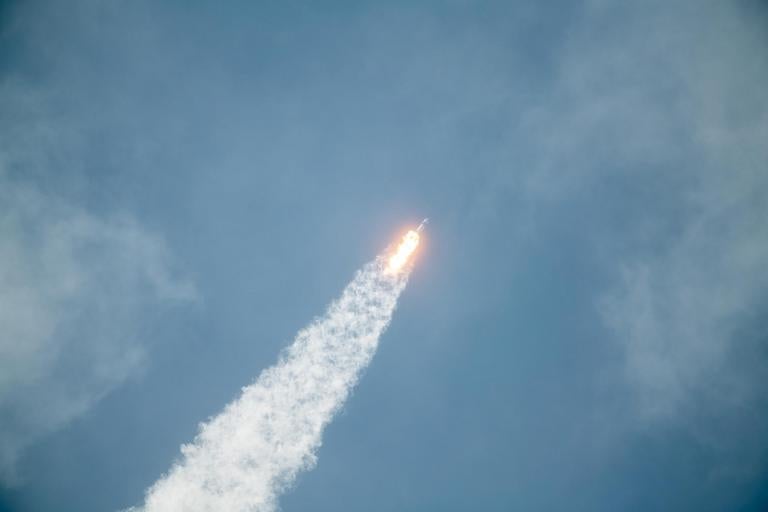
(421, 226)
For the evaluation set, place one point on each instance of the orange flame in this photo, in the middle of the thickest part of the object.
(404, 251)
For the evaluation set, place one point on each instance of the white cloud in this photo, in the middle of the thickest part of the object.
(72, 287)
(667, 99)
(655, 87)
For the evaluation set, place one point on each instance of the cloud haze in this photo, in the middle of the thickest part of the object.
(73, 289)
(684, 298)
(668, 101)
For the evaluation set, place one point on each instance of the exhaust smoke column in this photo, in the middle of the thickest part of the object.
(243, 458)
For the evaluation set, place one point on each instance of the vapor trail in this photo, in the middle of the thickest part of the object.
(243, 458)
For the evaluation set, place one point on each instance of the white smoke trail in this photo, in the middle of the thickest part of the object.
(243, 458)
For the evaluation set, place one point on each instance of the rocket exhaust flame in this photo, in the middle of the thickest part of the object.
(404, 251)
(242, 459)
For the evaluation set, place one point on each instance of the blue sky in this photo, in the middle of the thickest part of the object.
(185, 185)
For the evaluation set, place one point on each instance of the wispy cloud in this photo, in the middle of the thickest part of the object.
(72, 288)
(671, 93)
(76, 285)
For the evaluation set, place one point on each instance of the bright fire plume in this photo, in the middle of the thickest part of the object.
(404, 251)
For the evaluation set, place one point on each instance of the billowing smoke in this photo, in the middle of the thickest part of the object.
(242, 459)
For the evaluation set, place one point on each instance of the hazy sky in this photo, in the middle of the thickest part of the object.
(186, 184)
